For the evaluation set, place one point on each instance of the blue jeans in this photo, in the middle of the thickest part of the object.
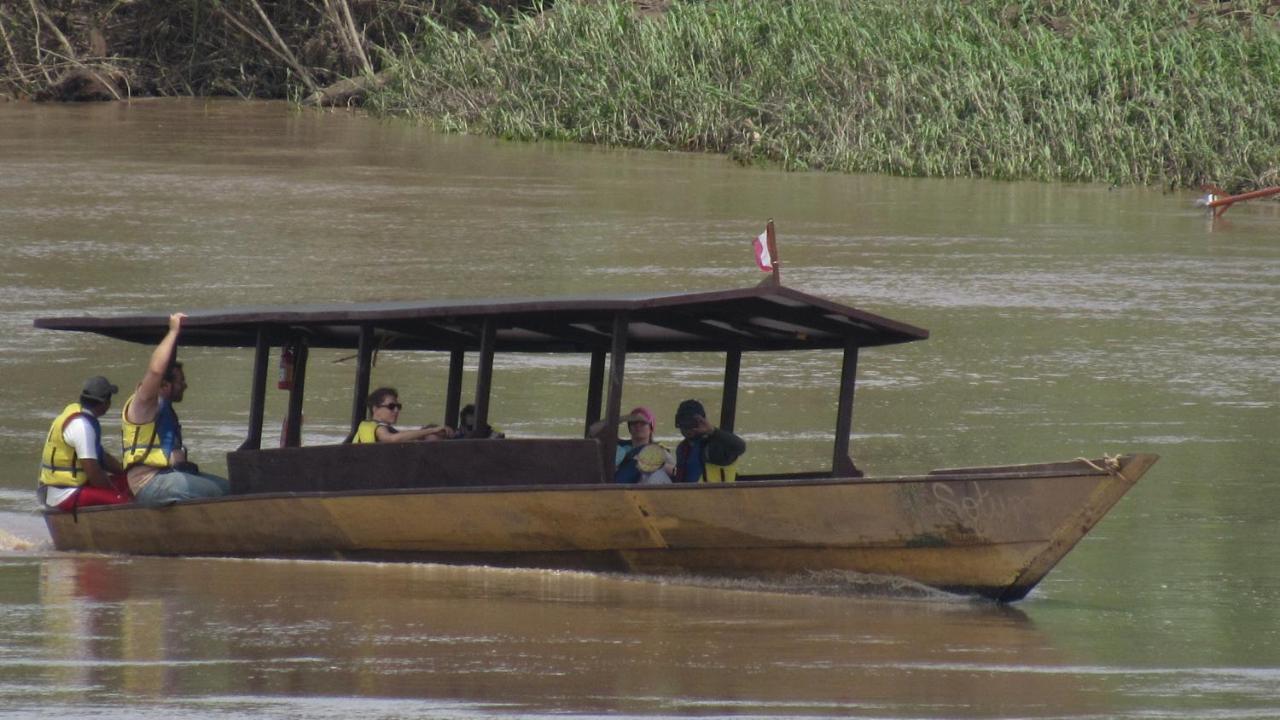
(175, 485)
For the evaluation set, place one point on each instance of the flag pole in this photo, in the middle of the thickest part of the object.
(765, 246)
(772, 239)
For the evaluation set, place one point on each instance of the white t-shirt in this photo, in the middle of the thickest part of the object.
(657, 477)
(80, 435)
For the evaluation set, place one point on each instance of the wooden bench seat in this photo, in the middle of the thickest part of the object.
(449, 463)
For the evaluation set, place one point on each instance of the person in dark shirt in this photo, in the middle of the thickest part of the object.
(467, 427)
(707, 453)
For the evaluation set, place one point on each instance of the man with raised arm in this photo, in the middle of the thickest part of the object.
(154, 454)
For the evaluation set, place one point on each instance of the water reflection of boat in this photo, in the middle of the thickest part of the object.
(993, 531)
(310, 640)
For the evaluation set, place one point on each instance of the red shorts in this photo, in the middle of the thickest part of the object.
(89, 496)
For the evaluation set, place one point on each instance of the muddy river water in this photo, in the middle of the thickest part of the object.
(1066, 321)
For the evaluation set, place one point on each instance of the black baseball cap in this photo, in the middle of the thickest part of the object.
(686, 411)
(99, 389)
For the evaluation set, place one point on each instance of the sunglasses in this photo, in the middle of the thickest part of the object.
(392, 406)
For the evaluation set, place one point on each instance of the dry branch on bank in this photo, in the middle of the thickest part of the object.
(348, 91)
(90, 50)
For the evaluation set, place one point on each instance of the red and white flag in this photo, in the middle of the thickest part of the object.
(764, 259)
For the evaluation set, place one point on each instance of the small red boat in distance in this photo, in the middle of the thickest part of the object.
(1218, 201)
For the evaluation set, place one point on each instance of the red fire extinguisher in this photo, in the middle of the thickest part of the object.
(287, 359)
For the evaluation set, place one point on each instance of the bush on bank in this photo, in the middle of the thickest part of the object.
(1175, 92)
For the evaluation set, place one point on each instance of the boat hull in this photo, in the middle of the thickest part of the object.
(990, 531)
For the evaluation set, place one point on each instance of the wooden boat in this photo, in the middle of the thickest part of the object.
(550, 503)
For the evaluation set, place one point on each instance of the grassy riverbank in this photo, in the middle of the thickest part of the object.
(1173, 92)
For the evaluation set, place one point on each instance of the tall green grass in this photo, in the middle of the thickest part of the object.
(1122, 91)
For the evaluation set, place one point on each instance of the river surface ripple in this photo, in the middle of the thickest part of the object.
(1066, 320)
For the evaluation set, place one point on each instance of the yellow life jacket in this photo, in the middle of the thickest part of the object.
(366, 432)
(712, 473)
(142, 444)
(59, 464)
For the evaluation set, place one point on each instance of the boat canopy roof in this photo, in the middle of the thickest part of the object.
(765, 317)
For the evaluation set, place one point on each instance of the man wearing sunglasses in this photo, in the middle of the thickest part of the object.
(384, 410)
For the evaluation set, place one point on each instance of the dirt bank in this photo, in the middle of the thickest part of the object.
(90, 50)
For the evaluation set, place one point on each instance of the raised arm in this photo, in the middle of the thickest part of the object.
(146, 399)
(723, 447)
(597, 429)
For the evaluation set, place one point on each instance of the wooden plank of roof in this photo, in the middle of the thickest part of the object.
(811, 320)
(709, 321)
(585, 335)
(664, 330)
(797, 307)
(748, 328)
(908, 332)
(436, 334)
(700, 327)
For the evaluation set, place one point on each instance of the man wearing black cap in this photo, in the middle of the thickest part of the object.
(707, 453)
(73, 465)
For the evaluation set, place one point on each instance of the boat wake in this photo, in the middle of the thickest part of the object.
(829, 583)
(12, 543)
(22, 529)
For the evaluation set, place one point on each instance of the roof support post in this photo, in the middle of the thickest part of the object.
(258, 391)
(841, 463)
(364, 369)
(613, 404)
(293, 420)
(484, 381)
(729, 398)
(595, 391)
(453, 393)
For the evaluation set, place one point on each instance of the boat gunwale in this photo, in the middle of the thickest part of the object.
(1037, 471)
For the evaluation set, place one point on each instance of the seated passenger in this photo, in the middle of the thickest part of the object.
(707, 453)
(384, 409)
(467, 426)
(74, 466)
(155, 455)
(640, 426)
